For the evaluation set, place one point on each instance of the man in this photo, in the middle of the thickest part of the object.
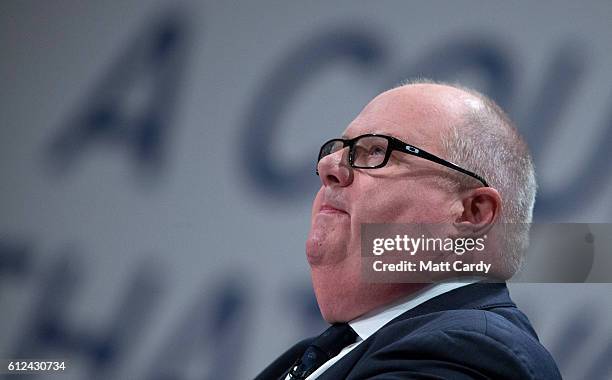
(393, 165)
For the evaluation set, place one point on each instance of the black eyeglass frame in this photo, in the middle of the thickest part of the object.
(399, 145)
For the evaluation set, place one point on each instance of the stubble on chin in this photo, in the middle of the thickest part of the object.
(326, 245)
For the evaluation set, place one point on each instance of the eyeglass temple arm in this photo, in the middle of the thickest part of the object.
(428, 156)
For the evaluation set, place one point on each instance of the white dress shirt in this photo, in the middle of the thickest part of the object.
(369, 323)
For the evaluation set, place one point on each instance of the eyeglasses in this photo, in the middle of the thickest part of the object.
(372, 151)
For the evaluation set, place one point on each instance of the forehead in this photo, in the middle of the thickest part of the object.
(415, 115)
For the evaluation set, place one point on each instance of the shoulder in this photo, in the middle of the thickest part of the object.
(478, 342)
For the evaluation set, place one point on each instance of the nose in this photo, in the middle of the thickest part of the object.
(334, 169)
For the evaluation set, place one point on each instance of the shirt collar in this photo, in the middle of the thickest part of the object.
(369, 323)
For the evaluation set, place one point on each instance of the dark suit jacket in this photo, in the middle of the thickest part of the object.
(473, 332)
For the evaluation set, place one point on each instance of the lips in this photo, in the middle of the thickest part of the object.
(329, 209)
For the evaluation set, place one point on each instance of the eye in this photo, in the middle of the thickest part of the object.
(377, 150)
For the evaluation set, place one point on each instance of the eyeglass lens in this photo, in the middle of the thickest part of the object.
(366, 151)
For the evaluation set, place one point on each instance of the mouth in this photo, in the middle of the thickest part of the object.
(329, 209)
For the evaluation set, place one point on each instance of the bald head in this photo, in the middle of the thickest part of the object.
(431, 108)
(427, 100)
(421, 113)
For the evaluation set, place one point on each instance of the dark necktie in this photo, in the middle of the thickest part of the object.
(324, 347)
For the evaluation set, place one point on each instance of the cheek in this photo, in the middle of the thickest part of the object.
(399, 204)
(384, 204)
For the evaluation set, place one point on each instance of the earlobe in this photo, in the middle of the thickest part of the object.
(481, 209)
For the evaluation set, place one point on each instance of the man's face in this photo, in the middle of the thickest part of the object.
(407, 190)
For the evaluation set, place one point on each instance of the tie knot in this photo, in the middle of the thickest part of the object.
(334, 339)
(324, 347)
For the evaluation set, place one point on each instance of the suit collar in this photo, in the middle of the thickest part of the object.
(367, 324)
(480, 296)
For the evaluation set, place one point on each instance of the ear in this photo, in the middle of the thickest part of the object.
(481, 208)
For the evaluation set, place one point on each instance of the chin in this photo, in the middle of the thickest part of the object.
(314, 253)
(326, 253)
